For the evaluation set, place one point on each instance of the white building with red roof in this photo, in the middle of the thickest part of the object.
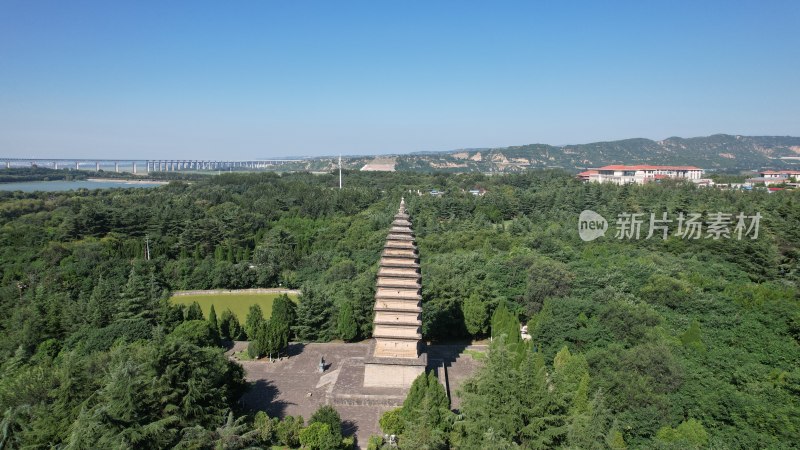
(784, 174)
(620, 174)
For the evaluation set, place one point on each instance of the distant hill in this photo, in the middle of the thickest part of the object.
(717, 152)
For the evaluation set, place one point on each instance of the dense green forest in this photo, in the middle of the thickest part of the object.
(40, 174)
(641, 343)
(44, 174)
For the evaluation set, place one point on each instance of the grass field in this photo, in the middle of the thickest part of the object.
(239, 304)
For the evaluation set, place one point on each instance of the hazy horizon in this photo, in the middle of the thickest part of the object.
(258, 80)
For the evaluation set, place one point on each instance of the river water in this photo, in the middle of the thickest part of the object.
(55, 186)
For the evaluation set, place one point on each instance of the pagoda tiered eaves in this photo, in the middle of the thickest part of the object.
(398, 308)
(397, 357)
(399, 272)
(398, 261)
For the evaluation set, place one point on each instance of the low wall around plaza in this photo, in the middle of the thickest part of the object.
(237, 291)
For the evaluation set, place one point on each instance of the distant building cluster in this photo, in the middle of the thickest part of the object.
(619, 174)
(772, 177)
(477, 192)
(773, 180)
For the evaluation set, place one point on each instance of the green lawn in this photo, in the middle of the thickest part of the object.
(239, 304)
(477, 355)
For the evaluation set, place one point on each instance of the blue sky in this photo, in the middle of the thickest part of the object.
(252, 79)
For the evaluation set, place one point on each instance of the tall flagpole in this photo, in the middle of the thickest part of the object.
(340, 170)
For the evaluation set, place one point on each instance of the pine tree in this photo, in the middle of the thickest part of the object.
(421, 434)
(543, 420)
(534, 387)
(436, 406)
(229, 327)
(154, 286)
(491, 400)
(212, 322)
(253, 321)
(270, 340)
(253, 349)
(224, 324)
(505, 323)
(264, 426)
(284, 313)
(436, 393)
(415, 394)
(313, 316)
(235, 329)
(346, 325)
(136, 298)
(568, 374)
(475, 315)
(580, 402)
(194, 312)
(589, 428)
(101, 304)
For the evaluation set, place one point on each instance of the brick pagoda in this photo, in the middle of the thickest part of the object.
(397, 356)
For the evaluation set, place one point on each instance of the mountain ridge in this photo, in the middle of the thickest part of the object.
(717, 152)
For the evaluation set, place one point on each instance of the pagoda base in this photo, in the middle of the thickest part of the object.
(393, 372)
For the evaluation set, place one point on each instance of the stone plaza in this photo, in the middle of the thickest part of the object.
(294, 385)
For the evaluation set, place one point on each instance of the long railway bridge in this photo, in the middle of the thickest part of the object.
(144, 165)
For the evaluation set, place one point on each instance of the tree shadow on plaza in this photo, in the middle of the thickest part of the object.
(295, 348)
(350, 428)
(261, 396)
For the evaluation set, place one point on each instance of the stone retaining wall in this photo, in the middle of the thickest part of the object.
(365, 400)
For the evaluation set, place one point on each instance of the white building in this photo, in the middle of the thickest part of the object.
(619, 174)
(770, 177)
